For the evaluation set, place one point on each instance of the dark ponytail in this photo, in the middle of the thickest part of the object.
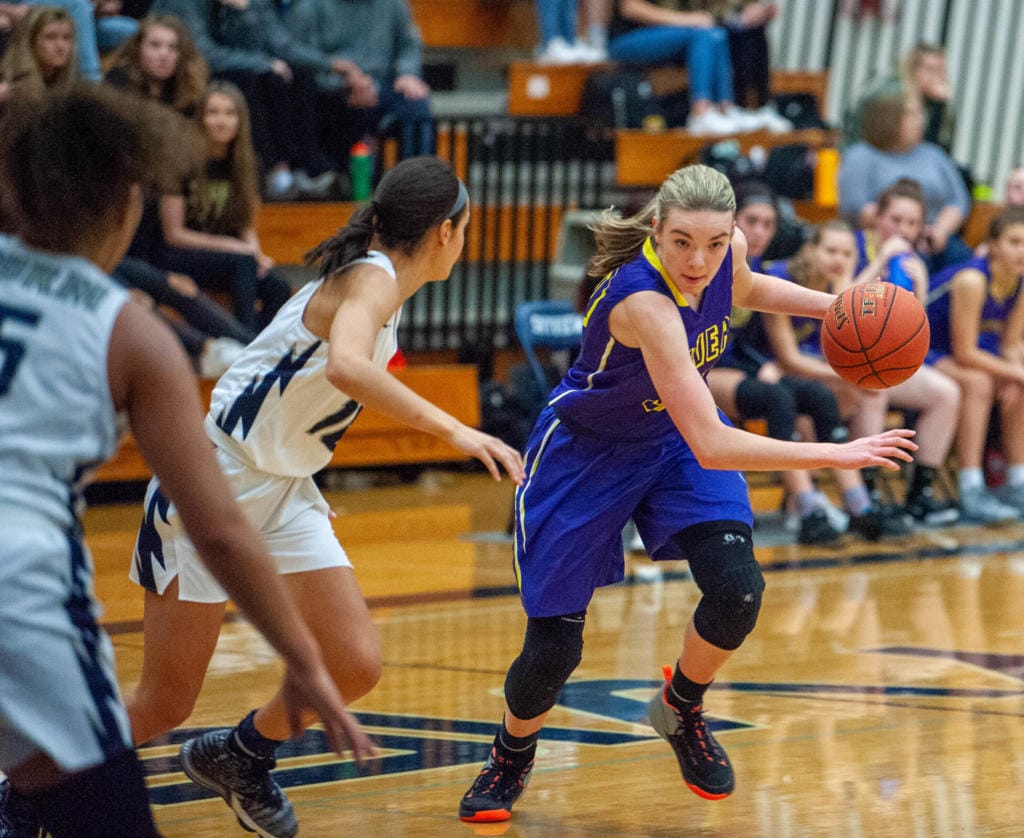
(412, 198)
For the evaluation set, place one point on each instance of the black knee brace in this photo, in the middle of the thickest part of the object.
(551, 651)
(721, 557)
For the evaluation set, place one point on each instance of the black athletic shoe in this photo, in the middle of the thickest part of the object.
(928, 511)
(816, 528)
(895, 523)
(706, 768)
(868, 526)
(495, 789)
(18, 817)
(244, 782)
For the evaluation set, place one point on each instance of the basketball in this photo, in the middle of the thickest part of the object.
(875, 335)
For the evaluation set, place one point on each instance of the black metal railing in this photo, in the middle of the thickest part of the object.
(522, 174)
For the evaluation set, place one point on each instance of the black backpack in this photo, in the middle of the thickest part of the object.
(618, 99)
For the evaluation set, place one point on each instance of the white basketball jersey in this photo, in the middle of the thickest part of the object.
(274, 408)
(57, 421)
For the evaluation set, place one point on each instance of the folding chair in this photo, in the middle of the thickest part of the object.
(553, 325)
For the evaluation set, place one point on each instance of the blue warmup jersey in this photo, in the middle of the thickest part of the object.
(994, 311)
(605, 450)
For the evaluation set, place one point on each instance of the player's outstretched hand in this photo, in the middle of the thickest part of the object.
(315, 691)
(490, 451)
(878, 450)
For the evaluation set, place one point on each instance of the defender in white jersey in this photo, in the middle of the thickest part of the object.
(77, 359)
(275, 418)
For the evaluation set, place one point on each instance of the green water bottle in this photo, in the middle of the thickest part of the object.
(360, 171)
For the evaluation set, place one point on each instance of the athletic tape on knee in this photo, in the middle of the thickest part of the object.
(552, 649)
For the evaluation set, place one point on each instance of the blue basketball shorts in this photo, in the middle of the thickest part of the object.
(580, 491)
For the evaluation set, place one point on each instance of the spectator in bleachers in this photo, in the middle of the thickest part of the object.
(382, 87)
(680, 31)
(208, 229)
(41, 55)
(1015, 187)
(559, 27)
(594, 18)
(894, 148)
(160, 61)
(977, 332)
(92, 33)
(923, 69)
(746, 22)
(1014, 197)
(209, 334)
(246, 43)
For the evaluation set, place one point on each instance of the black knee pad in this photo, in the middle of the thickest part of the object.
(551, 651)
(721, 557)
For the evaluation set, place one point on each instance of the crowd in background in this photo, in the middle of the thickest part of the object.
(273, 94)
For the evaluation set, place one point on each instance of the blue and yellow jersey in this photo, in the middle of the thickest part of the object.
(994, 311)
(608, 391)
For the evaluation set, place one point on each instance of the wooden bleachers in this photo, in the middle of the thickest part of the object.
(536, 89)
(374, 439)
(478, 24)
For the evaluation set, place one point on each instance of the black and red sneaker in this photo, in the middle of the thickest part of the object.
(495, 789)
(706, 768)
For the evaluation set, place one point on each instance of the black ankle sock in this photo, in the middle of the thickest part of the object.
(684, 691)
(251, 742)
(517, 748)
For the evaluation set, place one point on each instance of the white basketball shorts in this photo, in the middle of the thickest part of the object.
(289, 512)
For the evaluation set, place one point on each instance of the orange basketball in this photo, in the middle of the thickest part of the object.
(875, 335)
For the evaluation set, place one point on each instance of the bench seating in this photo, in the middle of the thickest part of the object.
(373, 439)
(479, 24)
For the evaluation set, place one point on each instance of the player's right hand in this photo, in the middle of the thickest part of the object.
(315, 691)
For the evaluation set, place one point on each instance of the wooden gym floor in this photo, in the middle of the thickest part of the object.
(880, 695)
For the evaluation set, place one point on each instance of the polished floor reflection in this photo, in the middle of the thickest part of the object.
(880, 695)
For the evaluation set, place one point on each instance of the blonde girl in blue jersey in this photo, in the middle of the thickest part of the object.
(632, 431)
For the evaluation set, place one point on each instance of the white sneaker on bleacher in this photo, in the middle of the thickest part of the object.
(771, 120)
(589, 54)
(743, 119)
(712, 121)
(558, 51)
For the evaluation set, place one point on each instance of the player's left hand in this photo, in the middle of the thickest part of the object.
(878, 450)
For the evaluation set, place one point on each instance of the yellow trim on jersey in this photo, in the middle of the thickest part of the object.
(522, 497)
(652, 257)
(590, 378)
(598, 294)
